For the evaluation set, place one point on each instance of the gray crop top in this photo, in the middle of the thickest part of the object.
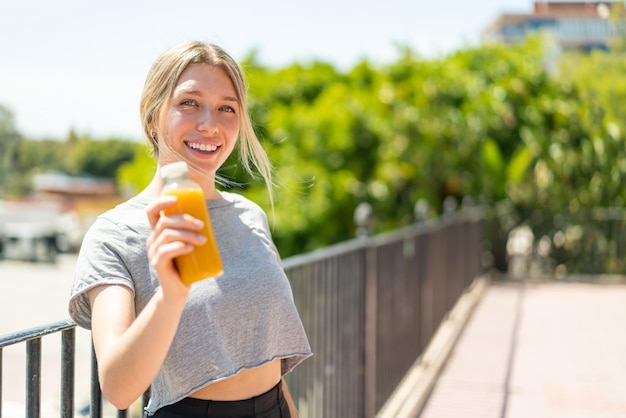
(243, 319)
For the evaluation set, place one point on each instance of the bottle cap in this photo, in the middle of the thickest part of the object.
(174, 169)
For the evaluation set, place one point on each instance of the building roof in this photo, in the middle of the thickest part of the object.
(58, 183)
(574, 9)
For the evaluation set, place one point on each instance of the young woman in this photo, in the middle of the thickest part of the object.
(221, 346)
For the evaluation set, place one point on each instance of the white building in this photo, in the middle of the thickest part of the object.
(574, 25)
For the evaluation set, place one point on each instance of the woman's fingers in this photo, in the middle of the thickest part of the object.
(183, 228)
(171, 236)
(155, 212)
(155, 208)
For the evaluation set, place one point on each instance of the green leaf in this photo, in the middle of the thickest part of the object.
(492, 157)
(520, 161)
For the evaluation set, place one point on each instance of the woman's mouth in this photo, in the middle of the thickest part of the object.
(202, 147)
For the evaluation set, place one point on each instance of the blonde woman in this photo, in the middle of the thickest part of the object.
(219, 347)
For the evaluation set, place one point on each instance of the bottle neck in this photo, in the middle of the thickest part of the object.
(174, 178)
(158, 183)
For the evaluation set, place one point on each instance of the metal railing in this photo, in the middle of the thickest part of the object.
(32, 339)
(369, 306)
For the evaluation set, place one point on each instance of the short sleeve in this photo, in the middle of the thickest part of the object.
(256, 219)
(105, 258)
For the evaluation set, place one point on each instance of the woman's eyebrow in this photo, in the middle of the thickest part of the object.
(190, 92)
(198, 93)
(230, 99)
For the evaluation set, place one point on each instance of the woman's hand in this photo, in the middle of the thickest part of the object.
(171, 236)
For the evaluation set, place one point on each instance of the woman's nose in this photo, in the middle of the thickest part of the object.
(207, 121)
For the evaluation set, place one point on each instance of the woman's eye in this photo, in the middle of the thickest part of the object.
(187, 103)
(227, 109)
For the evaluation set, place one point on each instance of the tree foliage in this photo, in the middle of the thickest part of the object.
(9, 143)
(77, 155)
(100, 158)
(494, 123)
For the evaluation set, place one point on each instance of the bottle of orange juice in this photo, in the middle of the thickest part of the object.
(205, 261)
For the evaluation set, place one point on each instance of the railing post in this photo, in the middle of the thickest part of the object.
(95, 406)
(371, 330)
(1, 371)
(449, 207)
(364, 218)
(33, 378)
(68, 338)
(420, 211)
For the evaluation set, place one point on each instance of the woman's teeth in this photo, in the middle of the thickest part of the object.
(202, 146)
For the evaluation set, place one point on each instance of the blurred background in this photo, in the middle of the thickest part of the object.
(397, 111)
(513, 105)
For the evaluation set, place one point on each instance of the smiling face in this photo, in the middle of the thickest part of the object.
(202, 122)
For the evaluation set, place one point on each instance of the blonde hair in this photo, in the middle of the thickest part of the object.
(159, 87)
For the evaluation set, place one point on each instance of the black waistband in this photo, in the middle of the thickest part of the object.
(260, 404)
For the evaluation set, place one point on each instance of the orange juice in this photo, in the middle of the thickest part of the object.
(205, 261)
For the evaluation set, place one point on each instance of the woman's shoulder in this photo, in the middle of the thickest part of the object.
(128, 214)
(244, 209)
(241, 202)
(124, 209)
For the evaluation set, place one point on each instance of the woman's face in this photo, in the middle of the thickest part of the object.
(202, 121)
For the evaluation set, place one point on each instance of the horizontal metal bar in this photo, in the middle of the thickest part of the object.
(37, 332)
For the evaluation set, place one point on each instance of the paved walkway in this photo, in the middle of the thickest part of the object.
(551, 350)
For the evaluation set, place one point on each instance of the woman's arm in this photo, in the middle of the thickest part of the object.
(130, 350)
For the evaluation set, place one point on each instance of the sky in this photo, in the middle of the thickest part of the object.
(81, 65)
